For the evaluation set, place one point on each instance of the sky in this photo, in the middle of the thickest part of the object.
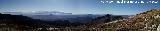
(77, 6)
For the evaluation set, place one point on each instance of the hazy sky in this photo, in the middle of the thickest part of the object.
(76, 6)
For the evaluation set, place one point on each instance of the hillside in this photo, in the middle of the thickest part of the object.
(10, 22)
(18, 22)
(146, 21)
(104, 19)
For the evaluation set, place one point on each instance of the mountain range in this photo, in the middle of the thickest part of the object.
(37, 13)
(35, 22)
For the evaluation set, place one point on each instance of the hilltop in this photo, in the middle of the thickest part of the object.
(145, 21)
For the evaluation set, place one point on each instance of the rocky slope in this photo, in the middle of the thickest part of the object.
(146, 21)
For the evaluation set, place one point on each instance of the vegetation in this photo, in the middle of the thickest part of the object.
(145, 21)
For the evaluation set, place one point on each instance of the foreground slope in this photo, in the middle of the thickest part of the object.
(145, 21)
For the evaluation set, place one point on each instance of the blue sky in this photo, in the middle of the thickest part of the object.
(76, 6)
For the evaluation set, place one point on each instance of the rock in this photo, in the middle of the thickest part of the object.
(158, 29)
